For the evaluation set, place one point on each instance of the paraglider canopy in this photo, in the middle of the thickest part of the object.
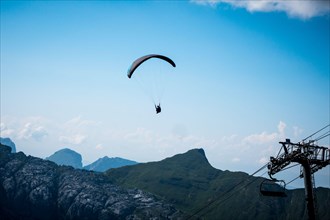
(142, 59)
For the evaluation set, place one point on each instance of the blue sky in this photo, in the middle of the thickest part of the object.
(248, 75)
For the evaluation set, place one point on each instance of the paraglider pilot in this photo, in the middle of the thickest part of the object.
(158, 108)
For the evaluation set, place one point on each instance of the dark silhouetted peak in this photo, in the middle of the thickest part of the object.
(193, 159)
(201, 151)
(105, 163)
(66, 157)
(198, 153)
(8, 142)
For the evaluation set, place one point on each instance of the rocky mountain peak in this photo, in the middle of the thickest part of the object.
(67, 157)
(192, 159)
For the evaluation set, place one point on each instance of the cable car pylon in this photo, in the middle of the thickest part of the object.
(310, 156)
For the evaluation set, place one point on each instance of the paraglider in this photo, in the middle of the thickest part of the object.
(133, 69)
(158, 108)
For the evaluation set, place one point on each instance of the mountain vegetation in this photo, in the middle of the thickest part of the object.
(191, 184)
(106, 163)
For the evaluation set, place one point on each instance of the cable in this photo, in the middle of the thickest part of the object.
(249, 183)
(315, 132)
(230, 189)
(290, 167)
(234, 192)
(293, 180)
(323, 136)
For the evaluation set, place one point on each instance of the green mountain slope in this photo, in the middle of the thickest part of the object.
(171, 178)
(190, 183)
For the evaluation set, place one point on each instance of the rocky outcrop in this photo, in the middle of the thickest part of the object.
(8, 142)
(32, 188)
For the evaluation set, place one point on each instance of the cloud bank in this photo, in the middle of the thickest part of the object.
(41, 137)
(293, 8)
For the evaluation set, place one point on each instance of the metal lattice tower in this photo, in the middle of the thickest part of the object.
(311, 157)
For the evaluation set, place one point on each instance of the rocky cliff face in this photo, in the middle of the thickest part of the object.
(32, 188)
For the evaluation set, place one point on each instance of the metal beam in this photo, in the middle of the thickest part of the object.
(311, 157)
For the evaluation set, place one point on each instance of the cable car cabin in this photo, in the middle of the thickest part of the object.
(275, 188)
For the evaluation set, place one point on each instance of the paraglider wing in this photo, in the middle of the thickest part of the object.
(139, 61)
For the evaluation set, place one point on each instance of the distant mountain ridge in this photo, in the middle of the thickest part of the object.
(105, 163)
(189, 182)
(67, 157)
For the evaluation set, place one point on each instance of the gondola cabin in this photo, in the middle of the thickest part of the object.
(274, 188)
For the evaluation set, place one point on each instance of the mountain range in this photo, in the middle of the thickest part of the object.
(184, 186)
(72, 158)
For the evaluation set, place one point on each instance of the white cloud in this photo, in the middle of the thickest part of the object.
(293, 8)
(73, 139)
(281, 130)
(99, 147)
(78, 123)
(229, 139)
(260, 138)
(297, 131)
(76, 131)
(5, 131)
(34, 131)
(152, 139)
